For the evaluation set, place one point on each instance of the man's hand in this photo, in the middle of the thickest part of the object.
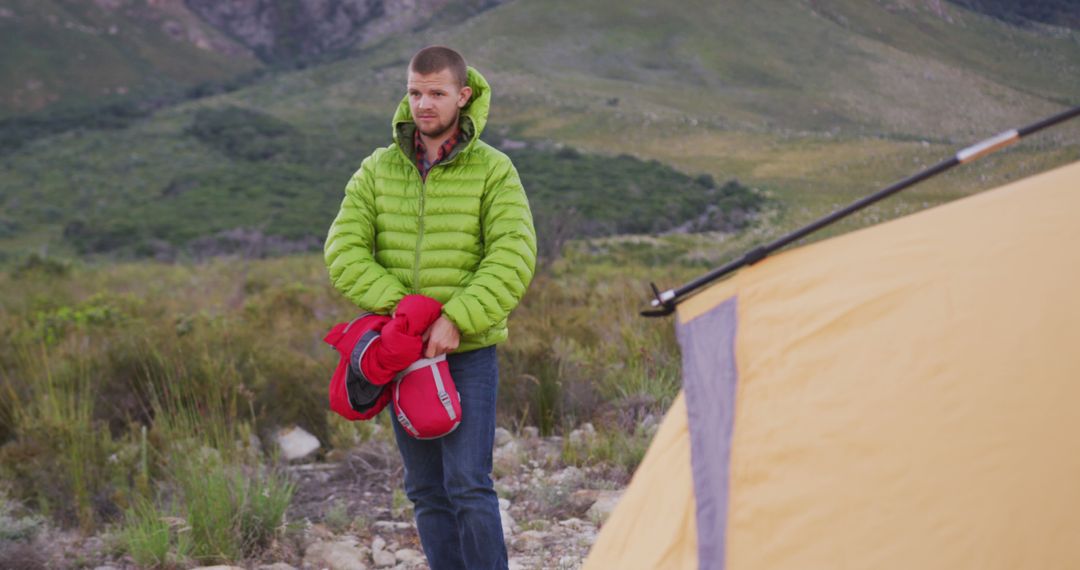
(442, 337)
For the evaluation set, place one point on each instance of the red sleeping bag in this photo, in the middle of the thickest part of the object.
(426, 401)
(380, 361)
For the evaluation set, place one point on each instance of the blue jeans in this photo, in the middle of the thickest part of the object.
(448, 479)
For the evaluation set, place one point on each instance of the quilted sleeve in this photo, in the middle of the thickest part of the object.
(349, 249)
(509, 258)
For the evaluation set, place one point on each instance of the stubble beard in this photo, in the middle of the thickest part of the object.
(442, 129)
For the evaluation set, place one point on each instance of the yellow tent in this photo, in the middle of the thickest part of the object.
(904, 396)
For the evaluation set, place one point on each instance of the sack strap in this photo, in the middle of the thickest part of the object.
(422, 363)
(401, 417)
(443, 396)
(354, 321)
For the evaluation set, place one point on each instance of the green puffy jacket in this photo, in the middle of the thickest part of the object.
(465, 237)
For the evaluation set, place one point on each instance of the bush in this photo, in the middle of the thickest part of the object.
(608, 195)
(242, 133)
(13, 526)
(232, 514)
(109, 401)
(609, 446)
(35, 265)
(226, 512)
(153, 538)
(58, 461)
(18, 131)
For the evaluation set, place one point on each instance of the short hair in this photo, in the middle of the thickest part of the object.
(434, 59)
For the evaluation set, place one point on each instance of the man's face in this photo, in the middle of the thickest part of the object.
(436, 100)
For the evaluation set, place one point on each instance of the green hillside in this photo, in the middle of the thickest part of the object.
(811, 103)
(65, 53)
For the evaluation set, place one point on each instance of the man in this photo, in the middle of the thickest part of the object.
(441, 213)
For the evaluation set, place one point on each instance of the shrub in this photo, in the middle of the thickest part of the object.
(153, 538)
(624, 194)
(58, 462)
(227, 512)
(18, 131)
(242, 133)
(615, 447)
(13, 526)
(36, 264)
(232, 514)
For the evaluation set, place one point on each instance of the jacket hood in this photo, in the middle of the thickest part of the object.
(473, 116)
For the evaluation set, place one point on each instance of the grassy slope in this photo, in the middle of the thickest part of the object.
(62, 52)
(814, 102)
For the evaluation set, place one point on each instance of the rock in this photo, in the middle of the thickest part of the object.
(383, 558)
(569, 476)
(391, 525)
(296, 443)
(530, 432)
(318, 532)
(582, 499)
(530, 541)
(340, 555)
(504, 504)
(508, 524)
(220, 567)
(574, 523)
(503, 437)
(378, 543)
(584, 434)
(276, 566)
(409, 556)
(507, 458)
(549, 452)
(649, 425)
(604, 505)
(515, 564)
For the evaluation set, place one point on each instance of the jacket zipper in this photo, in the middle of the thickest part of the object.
(419, 235)
(420, 229)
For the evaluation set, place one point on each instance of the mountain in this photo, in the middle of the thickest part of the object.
(810, 102)
(1060, 13)
(283, 30)
(67, 52)
(71, 52)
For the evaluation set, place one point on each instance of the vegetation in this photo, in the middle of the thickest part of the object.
(17, 131)
(118, 113)
(268, 187)
(61, 53)
(242, 133)
(626, 195)
(146, 396)
(830, 109)
(143, 397)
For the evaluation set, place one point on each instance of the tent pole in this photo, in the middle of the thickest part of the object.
(664, 302)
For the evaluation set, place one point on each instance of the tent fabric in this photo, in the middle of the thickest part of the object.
(905, 398)
(710, 378)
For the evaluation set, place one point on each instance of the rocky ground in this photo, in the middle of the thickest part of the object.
(349, 513)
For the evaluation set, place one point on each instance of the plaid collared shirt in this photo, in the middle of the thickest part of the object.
(444, 150)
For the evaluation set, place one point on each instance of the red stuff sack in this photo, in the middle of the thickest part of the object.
(426, 400)
(374, 350)
(352, 396)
